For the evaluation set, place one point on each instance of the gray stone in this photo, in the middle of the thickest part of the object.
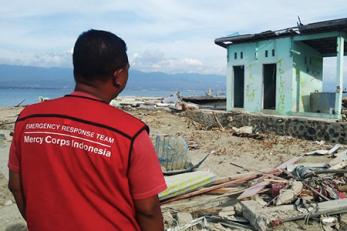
(169, 220)
(238, 209)
(9, 202)
(227, 212)
(184, 218)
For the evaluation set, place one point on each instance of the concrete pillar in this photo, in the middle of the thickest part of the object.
(230, 87)
(339, 75)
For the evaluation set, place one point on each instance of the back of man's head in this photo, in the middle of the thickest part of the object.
(97, 55)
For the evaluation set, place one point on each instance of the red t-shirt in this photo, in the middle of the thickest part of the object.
(80, 171)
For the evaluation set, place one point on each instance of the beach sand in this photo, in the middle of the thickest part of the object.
(227, 150)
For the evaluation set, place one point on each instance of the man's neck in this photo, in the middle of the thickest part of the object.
(93, 90)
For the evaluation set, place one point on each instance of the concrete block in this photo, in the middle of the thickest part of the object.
(261, 218)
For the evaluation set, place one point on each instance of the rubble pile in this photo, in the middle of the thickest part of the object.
(310, 188)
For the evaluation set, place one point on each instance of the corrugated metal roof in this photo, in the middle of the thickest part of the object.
(317, 27)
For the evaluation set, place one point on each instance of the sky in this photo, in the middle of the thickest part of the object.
(172, 36)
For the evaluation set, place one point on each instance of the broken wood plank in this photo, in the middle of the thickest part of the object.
(276, 181)
(339, 157)
(326, 171)
(334, 149)
(325, 152)
(222, 191)
(253, 190)
(217, 120)
(203, 202)
(238, 176)
(258, 187)
(289, 162)
(7, 123)
(236, 182)
(340, 165)
(20, 103)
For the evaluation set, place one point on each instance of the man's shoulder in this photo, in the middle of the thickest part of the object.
(126, 115)
(36, 108)
(133, 121)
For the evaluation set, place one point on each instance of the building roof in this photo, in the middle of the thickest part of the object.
(339, 25)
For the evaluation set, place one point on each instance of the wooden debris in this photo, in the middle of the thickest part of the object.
(192, 145)
(253, 190)
(289, 162)
(222, 191)
(20, 103)
(209, 189)
(238, 176)
(203, 203)
(217, 120)
(239, 166)
(325, 152)
(340, 165)
(8, 123)
(339, 157)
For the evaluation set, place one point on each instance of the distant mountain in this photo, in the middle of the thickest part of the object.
(39, 77)
(34, 77)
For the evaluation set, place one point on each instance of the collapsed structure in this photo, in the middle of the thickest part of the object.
(281, 72)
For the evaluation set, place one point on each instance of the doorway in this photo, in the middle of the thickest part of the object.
(269, 86)
(239, 86)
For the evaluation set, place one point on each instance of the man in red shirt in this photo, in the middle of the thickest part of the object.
(78, 163)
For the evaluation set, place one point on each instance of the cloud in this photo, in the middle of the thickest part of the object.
(169, 36)
(159, 62)
(63, 59)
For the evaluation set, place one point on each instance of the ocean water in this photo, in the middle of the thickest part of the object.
(13, 96)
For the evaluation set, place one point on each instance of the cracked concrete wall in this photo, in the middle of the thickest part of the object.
(331, 131)
(254, 56)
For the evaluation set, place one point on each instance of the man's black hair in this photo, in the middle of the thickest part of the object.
(97, 54)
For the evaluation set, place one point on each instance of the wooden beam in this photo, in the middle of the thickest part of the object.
(203, 202)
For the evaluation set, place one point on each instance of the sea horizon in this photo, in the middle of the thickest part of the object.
(12, 96)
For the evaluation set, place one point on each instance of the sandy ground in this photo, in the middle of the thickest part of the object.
(228, 150)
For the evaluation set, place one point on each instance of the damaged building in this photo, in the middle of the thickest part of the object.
(281, 72)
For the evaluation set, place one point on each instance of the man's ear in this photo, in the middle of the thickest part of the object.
(115, 78)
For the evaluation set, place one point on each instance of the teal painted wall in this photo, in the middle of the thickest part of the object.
(307, 75)
(253, 59)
